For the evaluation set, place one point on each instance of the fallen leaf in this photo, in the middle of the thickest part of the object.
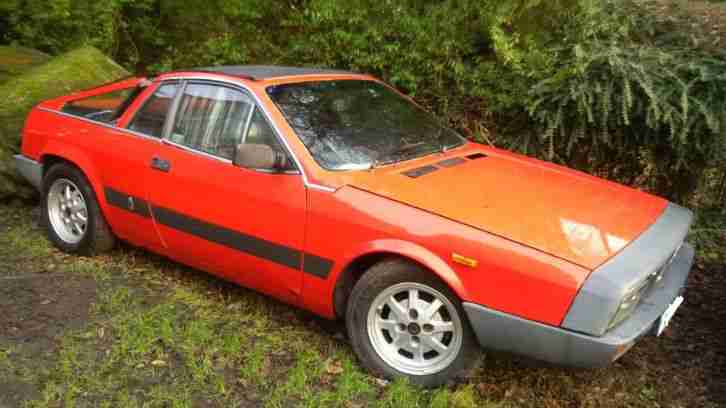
(158, 363)
(334, 367)
(45, 302)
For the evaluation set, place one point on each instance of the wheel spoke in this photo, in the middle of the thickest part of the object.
(431, 310)
(81, 216)
(433, 343)
(402, 341)
(418, 353)
(398, 310)
(414, 302)
(389, 325)
(442, 327)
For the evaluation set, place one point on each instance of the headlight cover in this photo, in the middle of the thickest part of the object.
(626, 308)
(632, 298)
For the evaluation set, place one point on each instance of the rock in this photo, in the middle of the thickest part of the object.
(16, 60)
(78, 69)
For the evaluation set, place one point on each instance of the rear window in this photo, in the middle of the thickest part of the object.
(105, 107)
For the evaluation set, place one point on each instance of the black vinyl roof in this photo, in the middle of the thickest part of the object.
(260, 72)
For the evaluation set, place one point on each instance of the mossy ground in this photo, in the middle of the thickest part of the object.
(16, 60)
(130, 329)
(29, 79)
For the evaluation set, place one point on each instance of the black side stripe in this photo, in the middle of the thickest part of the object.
(126, 202)
(236, 240)
(317, 266)
(280, 254)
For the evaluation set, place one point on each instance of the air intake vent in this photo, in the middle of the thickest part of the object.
(454, 161)
(476, 156)
(420, 171)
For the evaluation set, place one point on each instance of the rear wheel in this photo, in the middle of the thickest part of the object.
(403, 321)
(70, 212)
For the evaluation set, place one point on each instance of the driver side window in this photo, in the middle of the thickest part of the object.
(216, 119)
(211, 119)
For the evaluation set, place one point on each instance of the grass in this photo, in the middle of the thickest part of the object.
(158, 334)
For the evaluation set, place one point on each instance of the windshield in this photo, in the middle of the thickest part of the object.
(353, 124)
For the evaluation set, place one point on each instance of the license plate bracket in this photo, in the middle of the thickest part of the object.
(666, 317)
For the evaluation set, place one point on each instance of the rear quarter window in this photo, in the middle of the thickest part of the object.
(106, 107)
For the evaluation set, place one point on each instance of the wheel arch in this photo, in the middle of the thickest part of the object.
(78, 159)
(358, 262)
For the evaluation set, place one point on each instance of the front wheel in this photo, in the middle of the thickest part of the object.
(403, 321)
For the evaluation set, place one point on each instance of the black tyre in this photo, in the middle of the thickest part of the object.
(403, 321)
(70, 212)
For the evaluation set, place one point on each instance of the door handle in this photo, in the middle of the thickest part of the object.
(160, 164)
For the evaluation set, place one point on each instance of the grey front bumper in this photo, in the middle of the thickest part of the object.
(501, 331)
(30, 169)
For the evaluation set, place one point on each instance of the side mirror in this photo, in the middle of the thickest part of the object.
(259, 157)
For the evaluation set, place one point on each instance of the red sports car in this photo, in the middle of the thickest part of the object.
(331, 191)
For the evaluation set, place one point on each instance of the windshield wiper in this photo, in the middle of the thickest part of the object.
(441, 141)
(395, 152)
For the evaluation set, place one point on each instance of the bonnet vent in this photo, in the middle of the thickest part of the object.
(454, 161)
(476, 156)
(420, 171)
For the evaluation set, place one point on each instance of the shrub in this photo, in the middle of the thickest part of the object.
(629, 89)
(657, 111)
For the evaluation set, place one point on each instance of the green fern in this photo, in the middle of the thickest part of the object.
(668, 101)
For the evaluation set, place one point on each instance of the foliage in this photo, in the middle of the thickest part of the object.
(628, 89)
(636, 101)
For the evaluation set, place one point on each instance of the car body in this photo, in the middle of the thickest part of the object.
(545, 261)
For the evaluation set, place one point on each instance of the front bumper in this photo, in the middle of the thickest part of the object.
(501, 331)
(30, 169)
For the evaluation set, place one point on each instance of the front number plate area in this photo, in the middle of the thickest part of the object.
(665, 318)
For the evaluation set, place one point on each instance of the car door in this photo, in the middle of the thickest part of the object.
(241, 224)
(121, 156)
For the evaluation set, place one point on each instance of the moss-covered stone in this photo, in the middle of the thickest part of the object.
(78, 69)
(16, 60)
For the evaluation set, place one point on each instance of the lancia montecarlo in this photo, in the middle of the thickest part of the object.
(333, 192)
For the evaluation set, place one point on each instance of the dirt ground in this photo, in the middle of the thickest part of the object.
(36, 310)
(73, 336)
